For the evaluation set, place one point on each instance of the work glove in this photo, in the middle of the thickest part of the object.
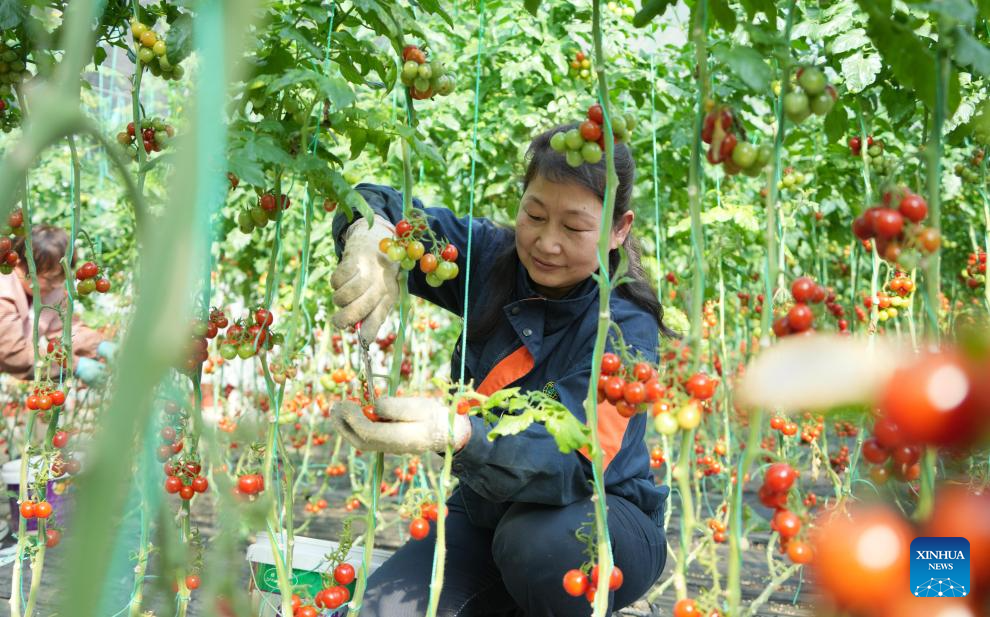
(407, 425)
(365, 283)
(106, 350)
(90, 371)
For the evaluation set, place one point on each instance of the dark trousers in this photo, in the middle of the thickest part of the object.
(517, 569)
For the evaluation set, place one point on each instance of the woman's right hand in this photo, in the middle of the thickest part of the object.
(365, 283)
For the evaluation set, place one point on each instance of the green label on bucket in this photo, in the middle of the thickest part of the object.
(268, 579)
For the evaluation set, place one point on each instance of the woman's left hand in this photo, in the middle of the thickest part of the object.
(406, 425)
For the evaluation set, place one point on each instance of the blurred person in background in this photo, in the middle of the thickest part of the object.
(49, 245)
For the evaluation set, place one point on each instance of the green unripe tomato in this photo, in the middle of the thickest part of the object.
(744, 154)
(86, 287)
(875, 150)
(396, 252)
(630, 120)
(244, 219)
(145, 55)
(228, 352)
(410, 70)
(573, 139)
(591, 152)
(574, 158)
(424, 71)
(796, 106)
(258, 216)
(407, 264)
(446, 270)
(822, 104)
(245, 350)
(559, 142)
(421, 84)
(159, 48)
(445, 85)
(433, 280)
(178, 72)
(666, 423)
(812, 81)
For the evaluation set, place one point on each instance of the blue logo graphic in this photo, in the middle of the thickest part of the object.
(940, 567)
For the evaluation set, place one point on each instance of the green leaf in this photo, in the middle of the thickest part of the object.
(835, 123)
(860, 71)
(848, 41)
(533, 6)
(724, 14)
(359, 137)
(178, 41)
(99, 55)
(649, 10)
(509, 424)
(570, 433)
(968, 51)
(748, 64)
(12, 13)
(433, 6)
(954, 10)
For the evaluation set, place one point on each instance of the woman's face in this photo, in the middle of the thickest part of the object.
(46, 280)
(557, 234)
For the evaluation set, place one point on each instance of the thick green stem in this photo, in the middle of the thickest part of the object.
(604, 322)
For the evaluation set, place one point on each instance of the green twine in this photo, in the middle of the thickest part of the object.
(656, 181)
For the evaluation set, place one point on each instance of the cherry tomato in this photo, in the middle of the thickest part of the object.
(874, 452)
(800, 317)
(419, 528)
(428, 263)
(779, 477)
(863, 561)
(590, 130)
(186, 492)
(52, 537)
(787, 524)
(634, 392)
(888, 223)
(60, 439)
(596, 115)
(686, 607)
(200, 484)
(701, 386)
(403, 228)
(28, 509)
(937, 399)
(172, 484)
(344, 574)
(960, 512)
(575, 582)
(249, 484)
(803, 289)
(614, 580)
(610, 363)
(614, 388)
(800, 552)
(642, 371)
(913, 207)
(449, 253)
(192, 581)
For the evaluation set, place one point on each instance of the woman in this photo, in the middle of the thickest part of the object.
(532, 321)
(48, 245)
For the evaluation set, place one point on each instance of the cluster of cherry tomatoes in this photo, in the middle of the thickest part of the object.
(629, 388)
(406, 248)
(718, 529)
(586, 143)
(735, 154)
(8, 256)
(258, 216)
(90, 278)
(44, 398)
(245, 342)
(577, 583)
(970, 173)
(974, 274)
(337, 470)
(580, 66)
(155, 135)
(424, 79)
(814, 95)
(896, 225)
(185, 480)
(800, 318)
(701, 387)
(13, 71)
(419, 527)
(777, 483)
(35, 509)
(153, 52)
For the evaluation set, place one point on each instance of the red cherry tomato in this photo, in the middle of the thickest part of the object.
(419, 528)
(575, 582)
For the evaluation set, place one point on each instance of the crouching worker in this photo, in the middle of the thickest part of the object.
(17, 300)
(532, 322)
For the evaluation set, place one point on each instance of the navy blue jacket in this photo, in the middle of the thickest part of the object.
(559, 336)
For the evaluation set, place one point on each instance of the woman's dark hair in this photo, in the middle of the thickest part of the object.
(544, 161)
(48, 244)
